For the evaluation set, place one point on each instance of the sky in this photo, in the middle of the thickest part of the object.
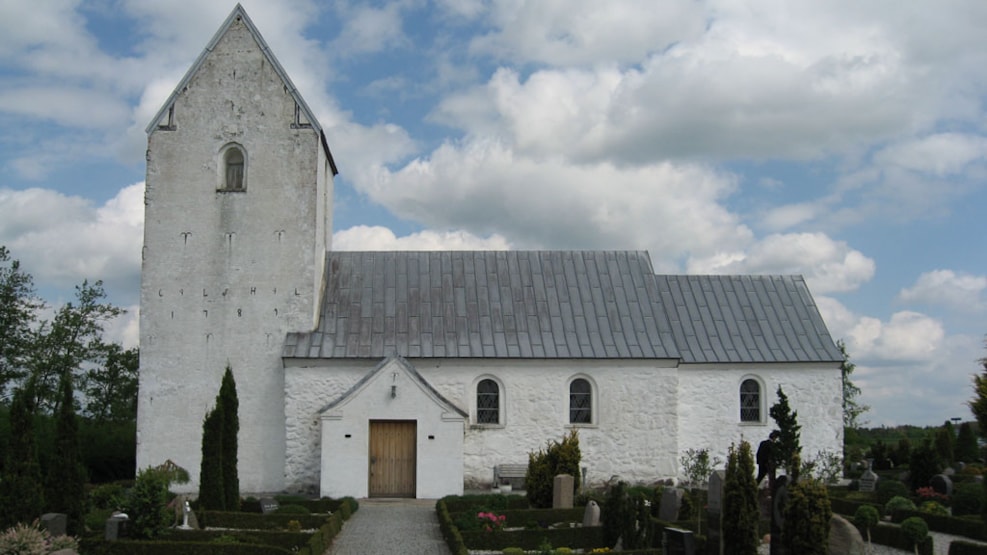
(842, 140)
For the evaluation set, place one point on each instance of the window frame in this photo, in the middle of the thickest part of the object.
(501, 402)
(761, 413)
(592, 398)
(224, 165)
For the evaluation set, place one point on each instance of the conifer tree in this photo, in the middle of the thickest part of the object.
(231, 427)
(966, 444)
(211, 471)
(740, 510)
(788, 445)
(807, 516)
(21, 495)
(65, 486)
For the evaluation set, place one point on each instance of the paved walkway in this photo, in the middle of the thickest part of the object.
(407, 526)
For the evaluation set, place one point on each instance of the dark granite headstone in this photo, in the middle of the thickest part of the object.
(54, 523)
(714, 508)
(715, 496)
(268, 505)
(117, 527)
(671, 502)
(679, 542)
(942, 484)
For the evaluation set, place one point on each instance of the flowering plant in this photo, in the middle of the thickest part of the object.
(929, 494)
(491, 521)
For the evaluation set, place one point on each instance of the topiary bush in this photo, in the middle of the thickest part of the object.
(544, 466)
(898, 502)
(866, 517)
(933, 508)
(916, 530)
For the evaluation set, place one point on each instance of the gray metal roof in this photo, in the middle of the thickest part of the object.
(745, 319)
(500, 304)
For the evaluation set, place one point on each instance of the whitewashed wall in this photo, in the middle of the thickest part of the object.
(227, 274)
(633, 435)
(709, 406)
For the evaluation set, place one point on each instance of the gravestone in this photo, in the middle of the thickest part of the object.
(268, 505)
(868, 481)
(117, 526)
(714, 504)
(55, 523)
(562, 488)
(671, 502)
(942, 484)
(678, 542)
(844, 538)
(591, 516)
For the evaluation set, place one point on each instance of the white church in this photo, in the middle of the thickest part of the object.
(413, 374)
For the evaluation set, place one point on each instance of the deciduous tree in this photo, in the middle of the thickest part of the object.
(852, 409)
(18, 308)
(111, 389)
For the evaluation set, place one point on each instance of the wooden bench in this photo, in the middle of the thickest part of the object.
(511, 473)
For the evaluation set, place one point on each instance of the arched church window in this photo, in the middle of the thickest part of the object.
(750, 401)
(234, 164)
(488, 402)
(580, 402)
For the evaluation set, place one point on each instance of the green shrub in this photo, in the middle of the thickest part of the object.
(866, 517)
(544, 466)
(30, 539)
(513, 551)
(622, 511)
(960, 547)
(967, 498)
(108, 496)
(915, 529)
(898, 503)
(149, 514)
(886, 489)
(292, 510)
(807, 516)
(934, 508)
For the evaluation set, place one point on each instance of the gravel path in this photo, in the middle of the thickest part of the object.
(391, 526)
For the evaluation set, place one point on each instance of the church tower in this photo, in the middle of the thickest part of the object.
(238, 208)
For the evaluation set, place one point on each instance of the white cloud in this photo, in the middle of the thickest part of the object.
(485, 188)
(368, 30)
(62, 240)
(828, 265)
(939, 154)
(377, 238)
(948, 288)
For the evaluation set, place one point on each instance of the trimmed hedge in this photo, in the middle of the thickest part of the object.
(449, 531)
(316, 545)
(848, 508)
(487, 502)
(968, 528)
(277, 538)
(254, 521)
(892, 536)
(527, 518)
(323, 505)
(588, 538)
(960, 547)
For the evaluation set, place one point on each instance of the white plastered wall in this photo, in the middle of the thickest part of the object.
(633, 435)
(709, 406)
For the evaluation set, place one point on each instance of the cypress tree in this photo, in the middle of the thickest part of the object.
(21, 494)
(966, 444)
(740, 510)
(65, 492)
(788, 445)
(211, 496)
(231, 427)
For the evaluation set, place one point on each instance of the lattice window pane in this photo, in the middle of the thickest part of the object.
(750, 401)
(580, 402)
(488, 402)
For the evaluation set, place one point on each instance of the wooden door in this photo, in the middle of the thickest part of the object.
(392, 458)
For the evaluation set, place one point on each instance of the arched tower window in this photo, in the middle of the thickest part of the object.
(580, 402)
(750, 401)
(487, 402)
(234, 169)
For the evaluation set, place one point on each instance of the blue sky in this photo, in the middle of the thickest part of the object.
(841, 140)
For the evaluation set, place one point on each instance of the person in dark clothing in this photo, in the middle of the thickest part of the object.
(766, 457)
